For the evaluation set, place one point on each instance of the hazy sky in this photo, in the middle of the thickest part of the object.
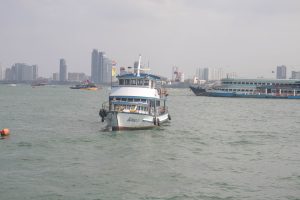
(250, 37)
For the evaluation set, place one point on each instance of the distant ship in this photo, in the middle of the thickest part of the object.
(137, 102)
(252, 88)
(38, 83)
(86, 85)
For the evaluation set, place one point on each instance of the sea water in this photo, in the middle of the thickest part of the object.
(213, 148)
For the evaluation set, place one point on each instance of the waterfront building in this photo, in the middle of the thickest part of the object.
(0, 72)
(95, 66)
(106, 70)
(101, 68)
(177, 76)
(8, 74)
(34, 72)
(209, 74)
(295, 75)
(62, 70)
(72, 76)
(21, 72)
(281, 72)
(55, 76)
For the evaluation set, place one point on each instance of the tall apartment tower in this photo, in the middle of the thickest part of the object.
(21, 72)
(62, 70)
(0, 72)
(101, 67)
(281, 72)
(94, 67)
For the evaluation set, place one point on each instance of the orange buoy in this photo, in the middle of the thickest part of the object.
(4, 132)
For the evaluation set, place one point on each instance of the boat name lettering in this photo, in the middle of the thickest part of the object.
(130, 119)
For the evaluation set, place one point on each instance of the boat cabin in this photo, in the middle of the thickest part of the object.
(138, 94)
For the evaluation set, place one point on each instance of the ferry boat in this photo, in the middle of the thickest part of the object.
(137, 102)
(86, 85)
(253, 88)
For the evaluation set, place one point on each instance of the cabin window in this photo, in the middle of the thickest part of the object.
(151, 103)
(127, 81)
(152, 84)
(136, 100)
(118, 99)
(121, 82)
(140, 82)
(133, 81)
(144, 100)
(157, 103)
(124, 99)
(130, 100)
(146, 82)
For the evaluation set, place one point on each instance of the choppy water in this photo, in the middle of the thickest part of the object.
(214, 148)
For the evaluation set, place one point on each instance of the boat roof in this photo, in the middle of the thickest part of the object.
(142, 76)
(261, 80)
(134, 92)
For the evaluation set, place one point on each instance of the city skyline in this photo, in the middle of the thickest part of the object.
(249, 37)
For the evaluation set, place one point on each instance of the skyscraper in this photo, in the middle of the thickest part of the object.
(281, 72)
(101, 68)
(21, 72)
(0, 72)
(62, 70)
(94, 67)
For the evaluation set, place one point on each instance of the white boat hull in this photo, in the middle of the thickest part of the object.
(124, 121)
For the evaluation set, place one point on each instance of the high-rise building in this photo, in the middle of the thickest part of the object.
(35, 72)
(281, 72)
(8, 74)
(210, 74)
(73, 76)
(21, 72)
(101, 67)
(55, 76)
(177, 76)
(295, 75)
(0, 72)
(95, 67)
(62, 70)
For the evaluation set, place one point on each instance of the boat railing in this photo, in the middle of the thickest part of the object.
(162, 92)
(105, 105)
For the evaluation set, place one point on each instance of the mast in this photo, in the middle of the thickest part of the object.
(139, 66)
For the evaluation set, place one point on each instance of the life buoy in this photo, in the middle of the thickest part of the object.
(4, 132)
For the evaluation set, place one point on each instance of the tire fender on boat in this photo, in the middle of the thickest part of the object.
(102, 114)
(154, 121)
(158, 122)
(169, 116)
